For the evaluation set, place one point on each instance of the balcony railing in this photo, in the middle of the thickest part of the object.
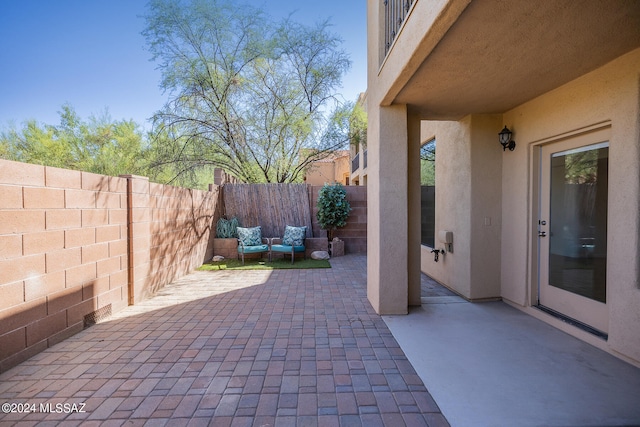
(395, 12)
(355, 163)
(364, 166)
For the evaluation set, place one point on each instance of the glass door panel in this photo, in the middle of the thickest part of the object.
(578, 221)
(573, 228)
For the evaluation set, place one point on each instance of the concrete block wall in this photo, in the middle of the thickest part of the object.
(315, 244)
(354, 233)
(139, 237)
(180, 230)
(63, 255)
(76, 247)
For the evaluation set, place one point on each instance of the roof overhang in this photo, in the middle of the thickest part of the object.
(500, 54)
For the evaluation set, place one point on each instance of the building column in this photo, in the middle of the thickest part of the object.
(414, 211)
(387, 211)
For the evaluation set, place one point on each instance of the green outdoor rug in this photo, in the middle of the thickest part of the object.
(256, 264)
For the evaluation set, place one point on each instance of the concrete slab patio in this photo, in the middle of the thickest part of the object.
(489, 364)
(230, 348)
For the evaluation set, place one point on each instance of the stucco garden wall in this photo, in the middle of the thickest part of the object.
(71, 243)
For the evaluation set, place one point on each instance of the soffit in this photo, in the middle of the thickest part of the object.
(500, 54)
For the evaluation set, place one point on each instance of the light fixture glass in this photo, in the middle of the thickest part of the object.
(505, 139)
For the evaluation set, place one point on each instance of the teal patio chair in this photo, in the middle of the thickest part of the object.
(291, 243)
(250, 241)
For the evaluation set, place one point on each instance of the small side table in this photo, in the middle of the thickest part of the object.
(336, 247)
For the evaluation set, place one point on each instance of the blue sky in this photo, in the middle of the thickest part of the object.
(91, 55)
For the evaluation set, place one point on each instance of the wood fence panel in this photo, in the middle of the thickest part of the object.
(271, 206)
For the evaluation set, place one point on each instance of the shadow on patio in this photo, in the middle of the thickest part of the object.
(305, 348)
(287, 347)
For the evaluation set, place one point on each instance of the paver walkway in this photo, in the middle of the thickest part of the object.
(240, 348)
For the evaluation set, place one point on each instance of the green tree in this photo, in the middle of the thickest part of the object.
(428, 163)
(99, 145)
(35, 144)
(333, 208)
(349, 121)
(5, 152)
(158, 158)
(358, 125)
(246, 94)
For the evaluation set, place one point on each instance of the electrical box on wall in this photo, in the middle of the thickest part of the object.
(446, 237)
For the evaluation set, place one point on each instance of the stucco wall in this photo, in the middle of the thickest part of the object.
(342, 169)
(488, 198)
(468, 185)
(609, 94)
(495, 238)
(393, 236)
(388, 208)
(404, 58)
(453, 203)
(320, 173)
(328, 171)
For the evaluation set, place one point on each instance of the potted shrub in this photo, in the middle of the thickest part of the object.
(333, 208)
(227, 228)
(226, 240)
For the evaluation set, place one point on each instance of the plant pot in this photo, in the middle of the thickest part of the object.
(336, 248)
(227, 247)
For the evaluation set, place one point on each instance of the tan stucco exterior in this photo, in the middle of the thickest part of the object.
(606, 97)
(468, 204)
(334, 168)
(359, 153)
(359, 164)
(458, 71)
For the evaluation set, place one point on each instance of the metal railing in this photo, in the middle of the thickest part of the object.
(395, 12)
(364, 166)
(355, 163)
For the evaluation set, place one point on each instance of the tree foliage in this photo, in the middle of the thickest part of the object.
(245, 93)
(358, 125)
(99, 145)
(333, 208)
(428, 163)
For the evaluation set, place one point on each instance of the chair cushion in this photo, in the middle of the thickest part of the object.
(294, 236)
(286, 248)
(250, 236)
(253, 249)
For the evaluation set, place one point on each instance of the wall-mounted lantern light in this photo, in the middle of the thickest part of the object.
(505, 139)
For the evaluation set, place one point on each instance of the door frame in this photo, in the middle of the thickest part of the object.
(535, 194)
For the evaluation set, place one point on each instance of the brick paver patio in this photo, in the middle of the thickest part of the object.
(230, 348)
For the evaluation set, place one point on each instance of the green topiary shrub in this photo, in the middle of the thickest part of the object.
(333, 208)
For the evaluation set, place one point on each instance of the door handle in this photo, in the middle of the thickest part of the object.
(542, 234)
